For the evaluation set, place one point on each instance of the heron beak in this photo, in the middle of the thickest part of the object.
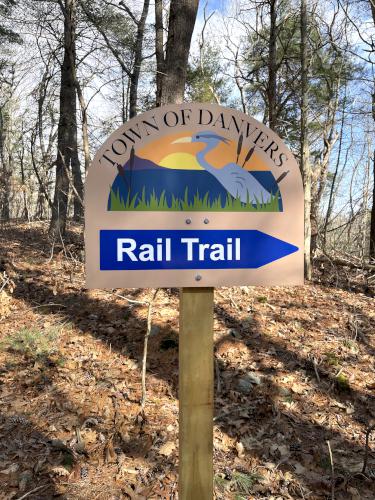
(182, 140)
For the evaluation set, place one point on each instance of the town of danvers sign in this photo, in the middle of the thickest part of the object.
(193, 195)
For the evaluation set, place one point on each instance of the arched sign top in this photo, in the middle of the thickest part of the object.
(193, 195)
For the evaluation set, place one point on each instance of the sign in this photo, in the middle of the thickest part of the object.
(193, 195)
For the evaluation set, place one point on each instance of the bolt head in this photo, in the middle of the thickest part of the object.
(198, 277)
(188, 221)
(206, 221)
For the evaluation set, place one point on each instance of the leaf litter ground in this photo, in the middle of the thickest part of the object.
(294, 370)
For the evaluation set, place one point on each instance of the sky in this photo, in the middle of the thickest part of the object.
(218, 5)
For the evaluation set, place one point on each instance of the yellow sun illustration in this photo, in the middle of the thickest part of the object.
(184, 161)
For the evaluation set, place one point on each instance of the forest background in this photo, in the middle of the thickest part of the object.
(72, 72)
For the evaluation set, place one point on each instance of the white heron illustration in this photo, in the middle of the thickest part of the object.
(238, 182)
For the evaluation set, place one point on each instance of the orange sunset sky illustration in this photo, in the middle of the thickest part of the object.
(183, 155)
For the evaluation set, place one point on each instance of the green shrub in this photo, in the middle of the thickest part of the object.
(243, 483)
(32, 342)
(240, 483)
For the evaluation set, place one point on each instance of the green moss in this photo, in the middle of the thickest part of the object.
(332, 359)
(342, 382)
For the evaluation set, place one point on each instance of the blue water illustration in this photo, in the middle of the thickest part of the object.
(146, 180)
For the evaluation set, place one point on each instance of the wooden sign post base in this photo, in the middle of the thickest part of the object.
(196, 382)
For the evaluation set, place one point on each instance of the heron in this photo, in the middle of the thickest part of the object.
(238, 182)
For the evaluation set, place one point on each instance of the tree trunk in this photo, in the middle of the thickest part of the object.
(314, 223)
(320, 181)
(159, 48)
(304, 145)
(134, 77)
(25, 211)
(78, 185)
(124, 98)
(67, 152)
(42, 169)
(182, 16)
(6, 157)
(85, 133)
(4, 172)
(372, 223)
(39, 213)
(272, 67)
(333, 183)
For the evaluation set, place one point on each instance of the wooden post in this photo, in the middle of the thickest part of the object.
(196, 381)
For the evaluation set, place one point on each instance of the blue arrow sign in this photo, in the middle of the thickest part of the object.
(189, 249)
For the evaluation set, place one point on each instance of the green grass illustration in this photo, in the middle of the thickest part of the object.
(199, 203)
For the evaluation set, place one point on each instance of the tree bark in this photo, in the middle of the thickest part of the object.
(272, 67)
(372, 222)
(6, 159)
(333, 184)
(182, 16)
(67, 150)
(6, 153)
(320, 181)
(138, 57)
(4, 172)
(124, 98)
(43, 194)
(25, 212)
(159, 48)
(85, 133)
(304, 145)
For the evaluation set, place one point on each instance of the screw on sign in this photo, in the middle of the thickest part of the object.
(194, 196)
